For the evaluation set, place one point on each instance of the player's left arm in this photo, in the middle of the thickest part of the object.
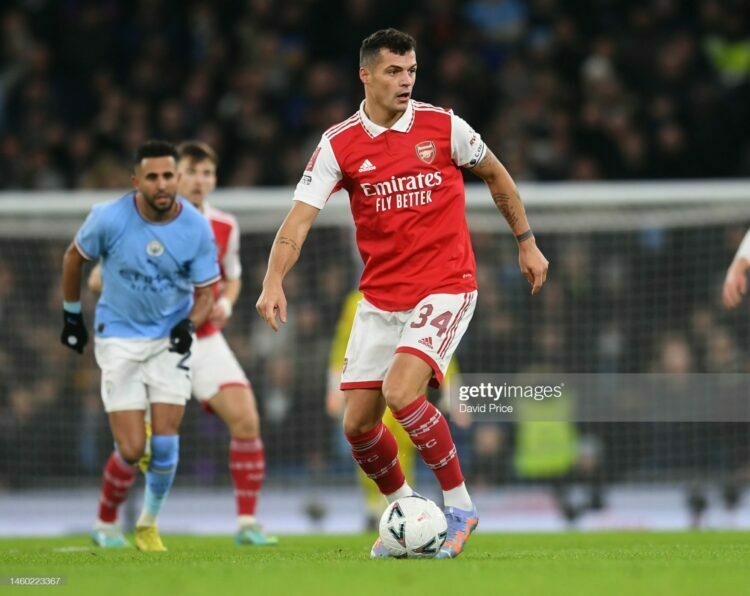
(181, 335)
(505, 194)
(205, 273)
(204, 302)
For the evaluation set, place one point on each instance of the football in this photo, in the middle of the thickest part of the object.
(413, 528)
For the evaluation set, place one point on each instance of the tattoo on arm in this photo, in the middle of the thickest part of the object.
(289, 242)
(524, 236)
(502, 200)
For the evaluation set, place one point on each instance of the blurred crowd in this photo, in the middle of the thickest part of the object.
(561, 90)
(620, 302)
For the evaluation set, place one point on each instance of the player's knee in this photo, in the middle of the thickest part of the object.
(131, 451)
(165, 451)
(357, 425)
(246, 426)
(397, 396)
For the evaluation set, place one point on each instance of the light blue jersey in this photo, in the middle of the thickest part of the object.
(149, 269)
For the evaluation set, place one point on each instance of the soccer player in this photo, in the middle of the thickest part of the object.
(400, 161)
(335, 406)
(735, 283)
(219, 382)
(157, 252)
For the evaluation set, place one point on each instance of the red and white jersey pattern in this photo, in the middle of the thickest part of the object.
(407, 198)
(227, 236)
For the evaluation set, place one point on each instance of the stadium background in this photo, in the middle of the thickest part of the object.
(562, 91)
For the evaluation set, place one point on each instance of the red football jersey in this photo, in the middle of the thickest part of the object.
(227, 236)
(407, 198)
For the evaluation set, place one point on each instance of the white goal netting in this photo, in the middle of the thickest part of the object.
(634, 286)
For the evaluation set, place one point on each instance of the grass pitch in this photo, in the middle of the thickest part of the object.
(705, 563)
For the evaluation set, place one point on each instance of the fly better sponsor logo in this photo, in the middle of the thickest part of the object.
(402, 192)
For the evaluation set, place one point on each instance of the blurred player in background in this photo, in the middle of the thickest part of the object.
(218, 379)
(374, 502)
(157, 253)
(735, 282)
(400, 162)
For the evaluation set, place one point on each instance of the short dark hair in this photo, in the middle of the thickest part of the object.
(197, 151)
(391, 39)
(154, 148)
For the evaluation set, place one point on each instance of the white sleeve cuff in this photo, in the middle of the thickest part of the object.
(226, 306)
(744, 249)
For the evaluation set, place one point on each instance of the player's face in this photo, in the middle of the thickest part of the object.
(197, 179)
(390, 80)
(156, 178)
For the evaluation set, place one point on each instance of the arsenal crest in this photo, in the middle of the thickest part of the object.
(426, 151)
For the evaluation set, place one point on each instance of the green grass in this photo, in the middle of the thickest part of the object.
(632, 563)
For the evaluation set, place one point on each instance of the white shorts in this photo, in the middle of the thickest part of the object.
(431, 331)
(214, 367)
(139, 372)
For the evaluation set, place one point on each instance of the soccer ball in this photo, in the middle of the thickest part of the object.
(413, 527)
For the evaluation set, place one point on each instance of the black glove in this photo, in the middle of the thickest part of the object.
(181, 336)
(74, 334)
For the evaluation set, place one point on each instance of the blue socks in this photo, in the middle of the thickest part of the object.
(165, 453)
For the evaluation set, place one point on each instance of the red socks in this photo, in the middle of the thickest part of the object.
(376, 452)
(247, 464)
(431, 436)
(118, 478)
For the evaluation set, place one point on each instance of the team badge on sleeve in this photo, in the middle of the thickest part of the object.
(313, 159)
(155, 248)
(426, 151)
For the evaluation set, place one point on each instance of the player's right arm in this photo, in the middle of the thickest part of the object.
(284, 254)
(319, 180)
(88, 245)
(73, 262)
(735, 282)
(74, 334)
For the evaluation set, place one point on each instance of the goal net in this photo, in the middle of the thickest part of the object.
(634, 287)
